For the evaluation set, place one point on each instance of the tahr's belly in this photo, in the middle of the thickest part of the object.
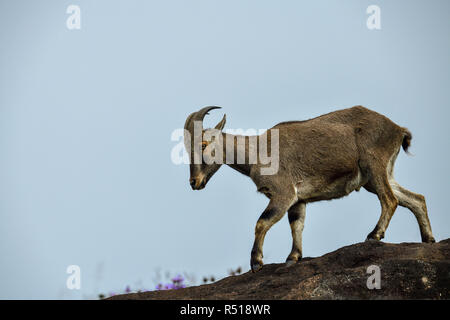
(320, 188)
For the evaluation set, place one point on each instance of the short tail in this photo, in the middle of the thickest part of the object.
(406, 143)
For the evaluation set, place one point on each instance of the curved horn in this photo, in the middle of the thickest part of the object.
(189, 124)
(197, 116)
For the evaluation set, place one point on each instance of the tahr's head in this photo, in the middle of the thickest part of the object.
(201, 144)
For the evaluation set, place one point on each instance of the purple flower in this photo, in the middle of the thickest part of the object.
(178, 278)
(127, 289)
(177, 283)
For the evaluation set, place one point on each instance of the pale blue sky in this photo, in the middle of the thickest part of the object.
(86, 118)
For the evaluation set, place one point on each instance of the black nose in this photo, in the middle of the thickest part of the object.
(192, 182)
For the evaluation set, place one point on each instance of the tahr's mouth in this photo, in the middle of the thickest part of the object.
(198, 184)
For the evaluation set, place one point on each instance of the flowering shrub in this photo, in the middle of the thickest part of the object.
(177, 282)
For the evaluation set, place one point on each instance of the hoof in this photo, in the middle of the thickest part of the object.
(429, 240)
(374, 236)
(290, 263)
(256, 267)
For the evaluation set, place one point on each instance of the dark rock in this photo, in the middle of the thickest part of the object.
(408, 271)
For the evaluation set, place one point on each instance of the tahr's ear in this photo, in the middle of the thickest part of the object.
(221, 124)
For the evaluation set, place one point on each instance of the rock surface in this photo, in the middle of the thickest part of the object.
(407, 271)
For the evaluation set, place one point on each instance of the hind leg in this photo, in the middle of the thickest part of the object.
(416, 203)
(379, 184)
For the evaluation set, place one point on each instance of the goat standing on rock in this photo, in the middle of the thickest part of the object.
(323, 158)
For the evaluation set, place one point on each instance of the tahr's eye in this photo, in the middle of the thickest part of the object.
(204, 145)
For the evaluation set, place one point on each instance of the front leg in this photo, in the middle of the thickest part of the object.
(296, 215)
(271, 215)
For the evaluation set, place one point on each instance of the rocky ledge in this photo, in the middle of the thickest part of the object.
(406, 271)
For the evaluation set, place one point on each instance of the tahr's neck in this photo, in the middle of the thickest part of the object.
(237, 147)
